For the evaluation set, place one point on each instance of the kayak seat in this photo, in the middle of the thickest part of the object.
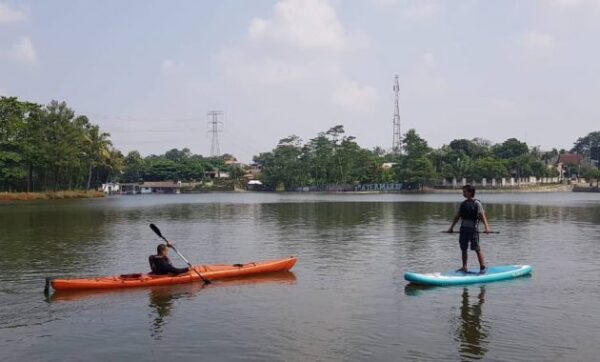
(131, 276)
(238, 265)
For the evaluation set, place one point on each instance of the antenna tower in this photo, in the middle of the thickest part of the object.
(397, 142)
(215, 126)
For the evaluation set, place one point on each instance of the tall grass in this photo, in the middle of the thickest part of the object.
(59, 195)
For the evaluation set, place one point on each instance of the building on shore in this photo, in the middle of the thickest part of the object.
(110, 188)
(569, 166)
(155, 187)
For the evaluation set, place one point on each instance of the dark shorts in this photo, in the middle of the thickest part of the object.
(469, 235)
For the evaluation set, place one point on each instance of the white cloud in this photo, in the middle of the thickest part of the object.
(274, 68)
(425, 80)
(352, 96)
(292, 72)
(303, 45)
(308, 24)
(23, 51)
(10, 15)
(536, 46)
(536, 41)
(429, 59)
(3, 93)
(573, 3)
(423, 9)
(167, 66)
(418, 9)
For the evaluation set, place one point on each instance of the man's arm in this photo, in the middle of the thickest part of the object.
(165, 267)
(456, 218)
(483, 218)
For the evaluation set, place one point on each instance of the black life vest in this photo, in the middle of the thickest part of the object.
(469, 210)
(152, 262)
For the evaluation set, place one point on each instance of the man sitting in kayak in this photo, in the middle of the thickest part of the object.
(160, 263)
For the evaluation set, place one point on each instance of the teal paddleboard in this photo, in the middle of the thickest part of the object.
(492, 274)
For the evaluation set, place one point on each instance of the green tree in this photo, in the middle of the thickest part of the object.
(584, 144)
(489, 168)
(134, 167)
(416, 170)
(282, 166)
(176, 155)
(97, 145)
(413, 145)
(511, 148)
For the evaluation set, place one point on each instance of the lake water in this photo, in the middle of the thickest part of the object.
(345, 300)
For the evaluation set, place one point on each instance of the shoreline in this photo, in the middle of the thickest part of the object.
(69, 195)
(514, 189)
(51, 195)
(450, 190)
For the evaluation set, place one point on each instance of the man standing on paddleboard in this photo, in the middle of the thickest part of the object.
(470, 212)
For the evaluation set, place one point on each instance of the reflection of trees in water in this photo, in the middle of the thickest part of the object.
(526, 213)
(472, 332)
(54, 232)
(332, 215)
(329, 229)
(162, 299)
(348, 228)
(321, 215)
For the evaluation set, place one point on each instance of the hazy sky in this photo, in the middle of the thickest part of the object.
(149, 71)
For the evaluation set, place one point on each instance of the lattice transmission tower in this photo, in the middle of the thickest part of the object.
(397, 142)
(215, 126)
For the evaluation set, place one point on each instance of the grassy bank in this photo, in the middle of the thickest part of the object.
(59, 195)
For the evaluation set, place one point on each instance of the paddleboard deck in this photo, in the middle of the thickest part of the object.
(492, 274)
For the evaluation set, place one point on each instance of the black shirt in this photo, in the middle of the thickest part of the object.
(162, 265)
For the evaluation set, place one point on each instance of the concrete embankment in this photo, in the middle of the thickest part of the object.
(522, 188)
(586, 188)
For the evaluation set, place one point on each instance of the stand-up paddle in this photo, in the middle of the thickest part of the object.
(157, 231)
(479, 232)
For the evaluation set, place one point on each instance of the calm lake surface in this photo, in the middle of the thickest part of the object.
(346, 299)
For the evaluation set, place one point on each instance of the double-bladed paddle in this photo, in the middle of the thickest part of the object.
(157, 232)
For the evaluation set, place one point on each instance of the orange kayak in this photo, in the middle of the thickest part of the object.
(283, 277)
(210, 272)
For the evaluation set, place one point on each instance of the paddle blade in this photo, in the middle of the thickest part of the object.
(156, 230)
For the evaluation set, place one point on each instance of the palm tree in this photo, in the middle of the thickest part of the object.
(97, 149)
(115, 163)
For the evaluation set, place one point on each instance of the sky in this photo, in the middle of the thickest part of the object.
(148, 72)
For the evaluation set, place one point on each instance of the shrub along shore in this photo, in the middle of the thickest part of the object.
(58, 195)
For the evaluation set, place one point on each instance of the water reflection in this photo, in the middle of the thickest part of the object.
(50, 234)
(162, 299)
(415, 290)
(161, 302)
(472, 332)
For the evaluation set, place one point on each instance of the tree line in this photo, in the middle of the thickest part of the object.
(334, 158)
(175, 164)
(50, 148)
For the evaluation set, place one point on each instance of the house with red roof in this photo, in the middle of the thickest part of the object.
(569, 165)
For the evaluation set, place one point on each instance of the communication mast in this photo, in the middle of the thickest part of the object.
(215, 126)
(397, 142)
